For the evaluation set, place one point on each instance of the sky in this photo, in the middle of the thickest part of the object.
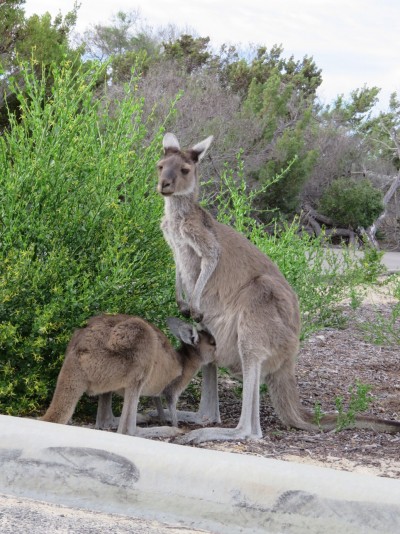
(354, 42)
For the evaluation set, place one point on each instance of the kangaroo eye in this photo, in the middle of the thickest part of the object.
(160, 167)
(185, 171)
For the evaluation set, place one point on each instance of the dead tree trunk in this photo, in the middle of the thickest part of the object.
(370, 232)
(314, 221)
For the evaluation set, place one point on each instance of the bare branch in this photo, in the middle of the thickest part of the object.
(371, 230)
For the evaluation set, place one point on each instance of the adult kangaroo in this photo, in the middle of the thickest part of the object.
(242, 298)
(129, 355)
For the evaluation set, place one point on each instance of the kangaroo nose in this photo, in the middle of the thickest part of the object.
(165, 186)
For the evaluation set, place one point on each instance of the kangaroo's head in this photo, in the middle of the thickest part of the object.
(177, 170)
(195, 341)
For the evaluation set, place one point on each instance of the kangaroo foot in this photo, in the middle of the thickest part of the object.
(216, 434)
(107, 423)
(188, 417)
(158, 432)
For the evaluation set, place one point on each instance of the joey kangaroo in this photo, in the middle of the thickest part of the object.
(241, 298)
(122, 352)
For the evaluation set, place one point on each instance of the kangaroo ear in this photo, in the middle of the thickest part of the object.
(185, 332)
(201, 148)
(170, 142)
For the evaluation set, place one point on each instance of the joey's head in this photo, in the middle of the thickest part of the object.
(177, 170)
(195, 341)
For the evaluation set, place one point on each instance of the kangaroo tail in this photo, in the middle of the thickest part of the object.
(283, 391)
(69, 389)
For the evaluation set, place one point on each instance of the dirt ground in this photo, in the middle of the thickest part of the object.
(329, 363)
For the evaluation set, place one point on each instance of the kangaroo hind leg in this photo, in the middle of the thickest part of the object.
(249, 422)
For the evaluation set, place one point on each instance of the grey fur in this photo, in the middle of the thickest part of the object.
(242, 298)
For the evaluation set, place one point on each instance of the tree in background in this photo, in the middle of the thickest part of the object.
(38, 40)
(383, 134)
(352, 203)
(282, 94)
(190, 52)
(46, 39)
(12, 19)
(117, 38)
(340, 141)
(362, 147)
(255, 101)
(126, 42)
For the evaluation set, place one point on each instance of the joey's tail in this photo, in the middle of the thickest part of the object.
(283, 391)
(69, 389)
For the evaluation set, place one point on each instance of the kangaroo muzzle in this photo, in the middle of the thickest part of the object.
(165, 187)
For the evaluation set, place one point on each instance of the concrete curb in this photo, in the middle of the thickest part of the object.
(199, 488)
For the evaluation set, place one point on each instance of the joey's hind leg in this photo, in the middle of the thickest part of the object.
(127, 421)
(162, 431)
(209, 404)
(127, 424)
(160, 409)
(105, 418)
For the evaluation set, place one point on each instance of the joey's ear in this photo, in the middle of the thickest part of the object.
(201, 148)
(170, 142)
(183, 331)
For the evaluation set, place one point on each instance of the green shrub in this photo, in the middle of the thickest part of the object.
(385, 328)
(352, 203)
(360, 400)
(79, 227)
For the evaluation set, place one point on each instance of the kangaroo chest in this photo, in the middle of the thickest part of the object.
(187, 261)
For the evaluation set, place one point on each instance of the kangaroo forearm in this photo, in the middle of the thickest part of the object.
(207, 268)
(179, 293)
